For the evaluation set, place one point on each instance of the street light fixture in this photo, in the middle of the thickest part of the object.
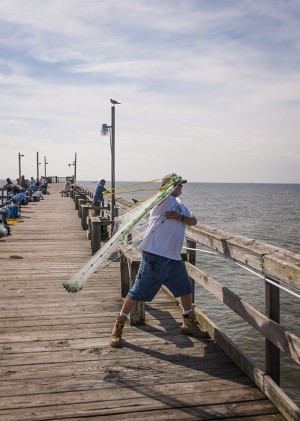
(20, 156)
(45, 164)
(37, 166)
(104, 132)
(75, 167)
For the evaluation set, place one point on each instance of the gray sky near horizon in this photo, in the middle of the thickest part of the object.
(209, 89)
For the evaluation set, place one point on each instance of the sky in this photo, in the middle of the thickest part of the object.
(209, 90)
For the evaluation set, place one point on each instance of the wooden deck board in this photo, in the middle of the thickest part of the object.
(56, 363)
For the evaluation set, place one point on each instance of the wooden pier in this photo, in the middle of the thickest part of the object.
(56, 363)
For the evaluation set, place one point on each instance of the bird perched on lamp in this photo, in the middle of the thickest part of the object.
(114, 102)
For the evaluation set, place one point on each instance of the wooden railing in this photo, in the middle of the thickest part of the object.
(273, 264)
(98, 227)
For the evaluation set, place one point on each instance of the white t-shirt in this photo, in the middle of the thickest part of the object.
(165, 236)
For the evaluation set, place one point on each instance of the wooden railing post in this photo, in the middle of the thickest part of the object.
(89, 227)
(137, 314)
(272, 310)
(95, 234)
(98, 229)
(76, 198)
(84, 215)
(130, 262)
(81, 202)
(124, 275)
(191, 258)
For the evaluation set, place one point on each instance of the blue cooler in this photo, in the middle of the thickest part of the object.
(13, 210)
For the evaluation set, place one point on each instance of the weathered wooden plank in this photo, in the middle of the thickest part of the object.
(66, 395)
(160, 406)
(282, 267)
(105, 381)
(179, 415)
(143, 396)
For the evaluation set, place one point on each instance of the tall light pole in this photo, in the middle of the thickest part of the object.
(37, 166)
(45, 164)
(20, 156)
(75, 167)
(104, 131)
(113, 167)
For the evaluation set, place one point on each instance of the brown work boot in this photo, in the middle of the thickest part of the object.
(116, 334)
(190, 326)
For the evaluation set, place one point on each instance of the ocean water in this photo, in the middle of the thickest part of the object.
(266, 212)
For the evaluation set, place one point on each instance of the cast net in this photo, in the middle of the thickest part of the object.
(129, 228)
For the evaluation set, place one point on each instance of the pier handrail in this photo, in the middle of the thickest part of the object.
(274, 264)
(287, 341)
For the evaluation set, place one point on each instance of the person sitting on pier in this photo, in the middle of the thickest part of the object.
(43, 185)
(98, 197)
(8, 185)
(161, 263)
(67, 189)
(16, 188)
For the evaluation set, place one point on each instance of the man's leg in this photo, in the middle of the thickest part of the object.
(116, 335)
(96, 208)
(101, 212)
(190, 325)
(145, 287)
(128, 305)
(186, 302)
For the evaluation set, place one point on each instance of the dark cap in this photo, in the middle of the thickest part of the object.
(169, 177)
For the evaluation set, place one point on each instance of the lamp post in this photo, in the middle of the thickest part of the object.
(20, 156)
(75, 167)
(37, 166)
(45, 164)
(104, 132)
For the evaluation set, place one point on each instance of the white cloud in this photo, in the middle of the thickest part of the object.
(196, 79)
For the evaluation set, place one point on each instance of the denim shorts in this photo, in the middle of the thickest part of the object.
(155, 271)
